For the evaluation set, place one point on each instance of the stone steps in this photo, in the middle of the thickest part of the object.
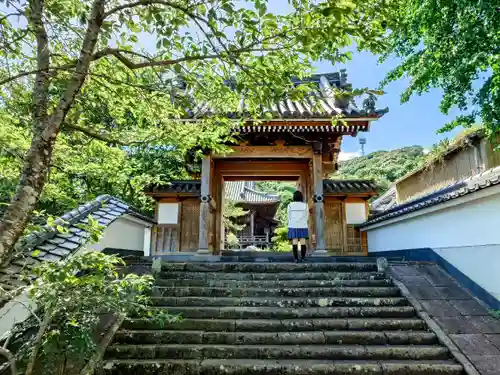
(214, 283)
(268, 267)
(276, 319)
(240, 312)
(216, 351)
(286, 325)
(276, 338)
(386, 291)
(274, 276)
(279, 302)
(281, 367)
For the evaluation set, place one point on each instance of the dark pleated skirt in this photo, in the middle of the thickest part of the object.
(298, 233)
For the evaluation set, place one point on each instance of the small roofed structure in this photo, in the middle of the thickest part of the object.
(294, 140)
(178, 207)
(259, 220)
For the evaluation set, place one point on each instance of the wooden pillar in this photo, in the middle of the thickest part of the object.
(205, 205)
(220, 202)
(319, 206)
(252, 224)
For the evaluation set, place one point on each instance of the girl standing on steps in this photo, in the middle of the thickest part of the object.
(298, 215)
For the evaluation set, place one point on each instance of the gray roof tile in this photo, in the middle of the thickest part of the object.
(46, 247)
(75, 230)
(61, 252)
(50, 257)
(56, 240)
(54, 246)
(189, 186)
(76, 238)
(483, 180)
(68, 245)
(245, 191)
(104, 221)
(349, 186)
(40, 253)
(321, 102)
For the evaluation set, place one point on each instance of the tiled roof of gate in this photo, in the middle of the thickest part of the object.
(481, 181)
(238, 191)
(244, 191)
(321, 102)
(349, 186)
(385, 201)
(188, 186)
(54, 246)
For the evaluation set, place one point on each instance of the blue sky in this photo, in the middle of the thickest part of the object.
(412, 123)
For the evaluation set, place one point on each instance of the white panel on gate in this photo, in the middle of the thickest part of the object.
(168, 213)
(355, 213)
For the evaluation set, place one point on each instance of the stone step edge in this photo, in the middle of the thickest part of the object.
(346, 288)
(228, 366)
(409, 308)
(351, 324)
(270, 333)
(407, 337)
(310, 283)
(362, 274)
(285, 361)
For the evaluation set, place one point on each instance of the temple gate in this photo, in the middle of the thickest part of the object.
(300, 144)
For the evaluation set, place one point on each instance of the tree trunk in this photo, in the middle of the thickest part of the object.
(28, 191)
(46, 128)
(37, 160)
(47, 319)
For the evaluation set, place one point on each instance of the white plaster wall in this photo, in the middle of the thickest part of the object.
(480, 263)
(473, 223)
(126, 232)
(467, 235)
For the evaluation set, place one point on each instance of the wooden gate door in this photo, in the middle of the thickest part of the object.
(190, 228)
(334, 233)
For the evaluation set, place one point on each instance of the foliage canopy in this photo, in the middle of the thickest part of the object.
(451, 45)
(74, 71)
(384, 167)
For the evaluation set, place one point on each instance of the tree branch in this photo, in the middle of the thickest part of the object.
(131, 65)
(94, 134)
(142, 3)
(47, 319)
(10, 358)
(40, 92)
(81, 69)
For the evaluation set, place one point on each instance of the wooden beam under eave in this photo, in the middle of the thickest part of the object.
(177, 196)
(275, 152)
(358, 197)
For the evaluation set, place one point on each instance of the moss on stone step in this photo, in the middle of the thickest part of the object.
(277, 292)
(269, 267)
(276, 338)
(264, 276)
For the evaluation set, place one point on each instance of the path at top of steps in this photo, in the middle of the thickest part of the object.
(278, 318)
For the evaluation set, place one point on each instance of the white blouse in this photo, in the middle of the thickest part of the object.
(298, 213)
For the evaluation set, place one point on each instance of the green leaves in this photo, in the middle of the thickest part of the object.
(76, 293)
(155, 63)
(445, 46)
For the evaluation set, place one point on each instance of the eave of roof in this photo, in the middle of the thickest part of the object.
(235, 189)
(320, 103)
(342, 187)
(54, 246)
(467, 186)
(245, 192)
(466, 141)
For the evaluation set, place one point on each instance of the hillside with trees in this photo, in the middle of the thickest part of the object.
(384, 167)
